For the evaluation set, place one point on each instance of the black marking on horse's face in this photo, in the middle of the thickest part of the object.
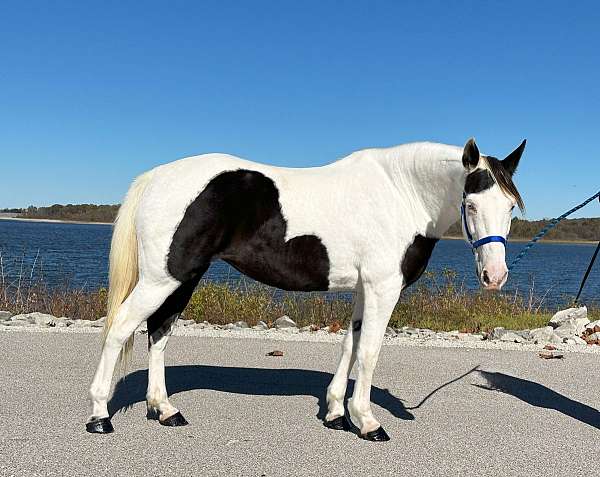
(356, 325)
(238, 218)
(478, 181)
(416, 258)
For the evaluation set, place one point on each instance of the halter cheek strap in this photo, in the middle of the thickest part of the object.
(475, 244)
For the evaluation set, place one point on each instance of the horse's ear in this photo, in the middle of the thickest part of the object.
(470, 157)
(511, 161)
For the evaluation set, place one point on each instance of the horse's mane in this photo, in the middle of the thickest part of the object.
(504, 180)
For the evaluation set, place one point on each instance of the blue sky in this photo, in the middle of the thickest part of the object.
(93, 93)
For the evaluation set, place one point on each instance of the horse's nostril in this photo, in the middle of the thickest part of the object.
(486, 278)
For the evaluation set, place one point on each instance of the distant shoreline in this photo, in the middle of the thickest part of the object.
(525, 240)
(55, 221)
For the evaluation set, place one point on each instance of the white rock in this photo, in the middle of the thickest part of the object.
(17, 323)
(470, 337)
(511, 337)
(241, 324)
(497, 333)
(5, 315)
(37, 318)
(569, 314)
(594, 336)
(593, 325)
(185, 322)
(261, 326)
(305, 329)
(284, 322)
(545, 335)
(389, 332)
(82, 323)
(575, 340)
(567, 329)
(24, 317)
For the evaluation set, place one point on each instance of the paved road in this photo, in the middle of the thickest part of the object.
(255, 415)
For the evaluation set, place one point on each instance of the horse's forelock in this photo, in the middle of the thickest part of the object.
(504, 180)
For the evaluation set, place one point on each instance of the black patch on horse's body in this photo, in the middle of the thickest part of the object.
(238, 218)
(478, 181)
(160, 321)
(416, 258)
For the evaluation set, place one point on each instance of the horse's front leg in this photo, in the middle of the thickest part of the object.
(379, 301)
(336, 392)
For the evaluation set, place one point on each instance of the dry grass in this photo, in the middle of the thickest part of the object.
(438, 302)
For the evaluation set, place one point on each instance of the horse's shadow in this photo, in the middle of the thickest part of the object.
(251, 381)
(538, 395)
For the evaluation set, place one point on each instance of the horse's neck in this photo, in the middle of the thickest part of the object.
(430, 180)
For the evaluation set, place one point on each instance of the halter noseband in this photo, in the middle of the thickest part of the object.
(475, 244)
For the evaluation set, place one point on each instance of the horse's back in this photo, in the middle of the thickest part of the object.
(271, 223)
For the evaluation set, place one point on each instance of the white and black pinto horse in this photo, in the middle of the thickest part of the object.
(368, 223)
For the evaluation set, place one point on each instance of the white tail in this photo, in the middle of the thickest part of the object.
(123, 268)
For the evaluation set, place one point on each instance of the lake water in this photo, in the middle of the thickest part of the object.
(77, 254)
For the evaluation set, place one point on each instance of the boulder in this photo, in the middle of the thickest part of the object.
(593, 327)
(575, 340)
(573, 315)
(5, 315)
(36, 318)
(389, 332)
(241, 324)
(567, 329)
(471, 337)
(497, 333)
(261, 326)
(284, 322)
(594, 338)
(525, 334)
(511, 337)
(16, 323)
(82, 323)
(545, 335)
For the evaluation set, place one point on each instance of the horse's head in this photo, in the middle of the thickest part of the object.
(489, 198)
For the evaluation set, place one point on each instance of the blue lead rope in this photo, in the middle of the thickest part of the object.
(553, 223)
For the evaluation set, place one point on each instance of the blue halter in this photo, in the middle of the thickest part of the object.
(475, 244)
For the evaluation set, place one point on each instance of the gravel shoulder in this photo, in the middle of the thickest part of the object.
(449, 410)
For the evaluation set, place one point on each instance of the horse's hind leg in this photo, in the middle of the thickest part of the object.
(160, 327)
(143, 301)
(336, 391)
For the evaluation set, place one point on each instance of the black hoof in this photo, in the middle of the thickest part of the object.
(174, 421)
(378, 435)
(339, 424)
(100, 426)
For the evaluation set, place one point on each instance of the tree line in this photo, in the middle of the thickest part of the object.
(568, 229)
(72, 212)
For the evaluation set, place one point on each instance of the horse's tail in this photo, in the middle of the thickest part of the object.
(123, 268)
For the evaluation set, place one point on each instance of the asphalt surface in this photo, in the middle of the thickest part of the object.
(254, 415)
